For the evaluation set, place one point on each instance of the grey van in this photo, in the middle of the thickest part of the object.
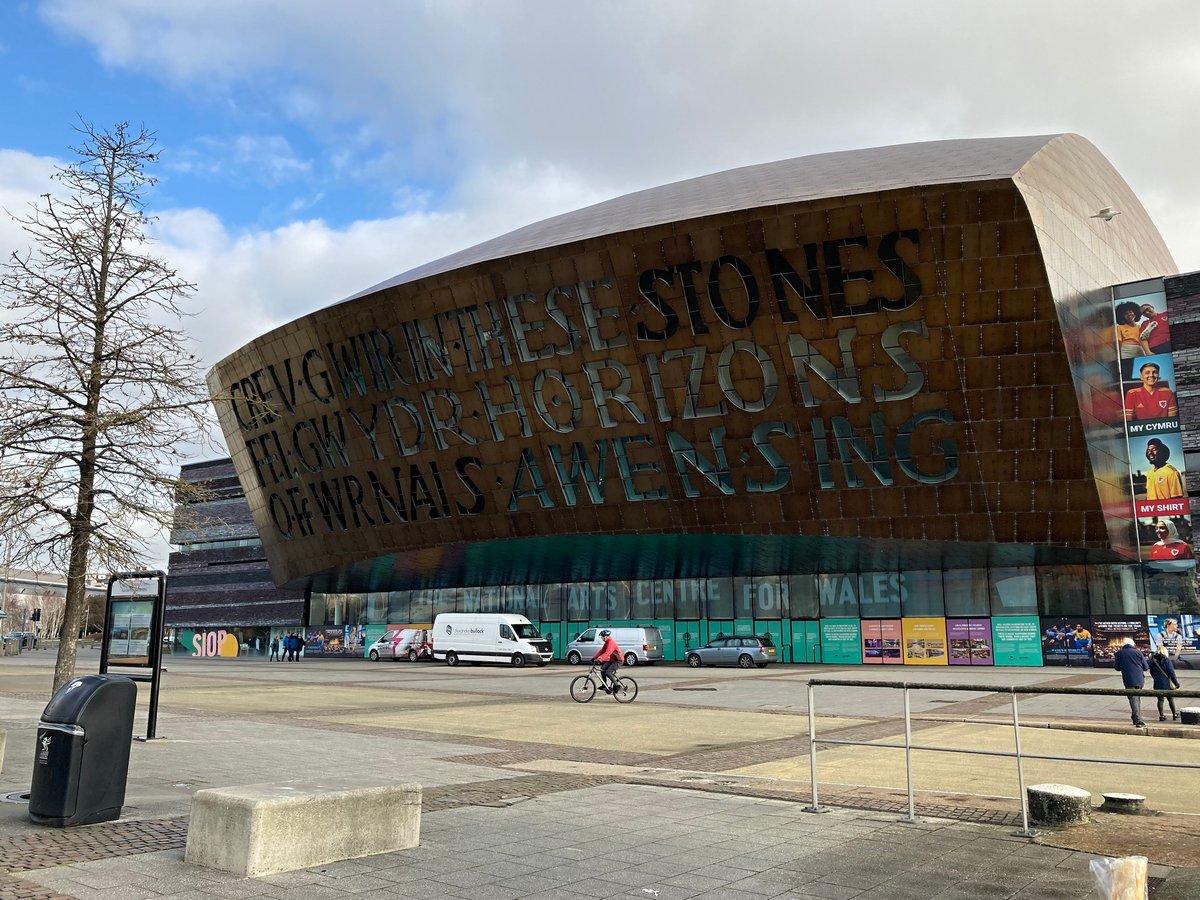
(639, 644)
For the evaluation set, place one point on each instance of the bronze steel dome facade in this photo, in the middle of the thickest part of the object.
(837, 362)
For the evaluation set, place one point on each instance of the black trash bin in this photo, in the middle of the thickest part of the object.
(82, 757)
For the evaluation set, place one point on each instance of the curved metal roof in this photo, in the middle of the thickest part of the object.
(846, 172)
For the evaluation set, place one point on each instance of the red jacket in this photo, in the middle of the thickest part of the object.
(610, 649)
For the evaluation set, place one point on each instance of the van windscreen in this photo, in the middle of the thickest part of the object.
(526, 630)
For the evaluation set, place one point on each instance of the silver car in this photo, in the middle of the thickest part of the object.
(745, 651)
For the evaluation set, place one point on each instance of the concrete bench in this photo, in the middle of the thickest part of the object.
(1058, 804)
(1123, 803)
(262, 829)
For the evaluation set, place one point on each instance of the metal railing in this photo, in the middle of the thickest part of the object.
(1013, 691)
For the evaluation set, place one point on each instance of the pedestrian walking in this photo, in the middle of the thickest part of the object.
(275, 648)
(1133, 668)
(288, 645)
(299, 647)
(1162, 670)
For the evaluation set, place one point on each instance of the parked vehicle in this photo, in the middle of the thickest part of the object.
(745, 651)
(403, 643)
(488, 637)
(640, 644)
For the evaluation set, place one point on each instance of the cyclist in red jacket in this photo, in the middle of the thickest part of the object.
(610, 655)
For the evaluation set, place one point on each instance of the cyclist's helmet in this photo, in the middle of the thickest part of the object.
(605, 632)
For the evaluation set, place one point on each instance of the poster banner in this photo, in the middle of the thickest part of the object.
(1157, 475)
(882, 641)
(1109, 634)
(129, 643)
(334, 641)
(1016, 642)
(841, 641)
(970, 642)
(1066, 641)
(925, 642)
(1182, 636)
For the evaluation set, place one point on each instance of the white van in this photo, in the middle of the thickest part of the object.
(488, 637)
(404, 643)
(638, 645)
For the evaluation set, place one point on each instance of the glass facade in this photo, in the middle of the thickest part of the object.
(838, 618)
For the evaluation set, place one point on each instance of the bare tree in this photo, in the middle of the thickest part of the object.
(98, 389)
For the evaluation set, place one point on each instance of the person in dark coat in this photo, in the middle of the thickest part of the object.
(1133, 668)
(1162, 670)
(274, 649)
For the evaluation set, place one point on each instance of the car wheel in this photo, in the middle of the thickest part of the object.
(693, 660)
(413, 655)
(374, 656)
(745, 661)
(451, 658)
(631, 659)
(573, 657)
(518, 660)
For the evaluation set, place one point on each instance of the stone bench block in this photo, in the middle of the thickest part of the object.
(1190, 715)
(262, 829)
(1123, 803)
(1058, 804)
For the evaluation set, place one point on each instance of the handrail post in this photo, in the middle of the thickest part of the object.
(911, 818)
(812, 750)
(1025, 829)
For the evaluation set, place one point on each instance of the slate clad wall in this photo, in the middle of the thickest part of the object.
(225, 585)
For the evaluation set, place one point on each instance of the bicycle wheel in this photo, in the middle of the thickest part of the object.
(627, 691)
(583, 689)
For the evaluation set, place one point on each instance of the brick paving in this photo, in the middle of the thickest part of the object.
(519, 783)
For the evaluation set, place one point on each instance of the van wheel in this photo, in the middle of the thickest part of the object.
(413, 655)
(745, 661)
(374, 656)
(573, 657)
(518, 660)
(631, 659)
(451, 658)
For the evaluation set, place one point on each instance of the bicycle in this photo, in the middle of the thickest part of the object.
(583, 687)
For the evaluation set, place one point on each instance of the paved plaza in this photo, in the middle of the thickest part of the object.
(699, 789)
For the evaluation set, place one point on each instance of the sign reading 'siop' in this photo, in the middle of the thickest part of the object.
(686, 390)
(1157, 476)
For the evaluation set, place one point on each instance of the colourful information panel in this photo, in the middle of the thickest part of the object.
(925, 642)
(1158, 480)
(1016, 642)
(1109, 634)
(970, 642)
(841, 641)
(1066, 641)
(882, 641)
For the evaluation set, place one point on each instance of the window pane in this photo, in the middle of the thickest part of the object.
(421, 607)
(719, 597)
(398, 605)
(802, 597)
(922, 594)
(491, 599)
(641, 598)
(879, 595)
(838, 596)
(1014, 591)
(1062, 590)
(685, 604)
(522, 599)
(552, 605)
(967, 592)
(617, 593)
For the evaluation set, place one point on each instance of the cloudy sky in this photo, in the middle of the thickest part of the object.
(312, 148)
